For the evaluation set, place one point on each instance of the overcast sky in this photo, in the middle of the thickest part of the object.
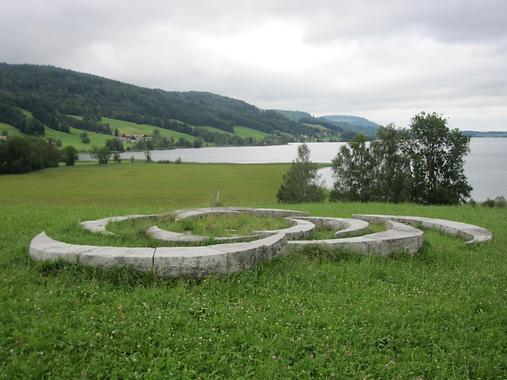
(385, 60)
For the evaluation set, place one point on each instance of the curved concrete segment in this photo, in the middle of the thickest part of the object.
(218, 259)
(43, 248)
(397, 237)
(270, 212)
(198, 261)
(164, 235)
(300, 230)
(98, 226)
(470, 233)
(187, 237)
(166, 261)
(343, 225)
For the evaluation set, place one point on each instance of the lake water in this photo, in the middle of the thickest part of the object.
(485, 166)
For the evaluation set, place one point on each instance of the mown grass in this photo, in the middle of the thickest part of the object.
(68, 139)
(249, 132)
(130, 128)
(311, 314)
(73, 138)
(216, 130)
(11, 131)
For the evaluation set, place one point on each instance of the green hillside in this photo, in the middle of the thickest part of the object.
(11, 131)
(53, 92)
(249, 132)
(129, 128)
(215, 130)
(73, 138)
(294, 115)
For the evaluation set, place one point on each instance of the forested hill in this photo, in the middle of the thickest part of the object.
(53, 92)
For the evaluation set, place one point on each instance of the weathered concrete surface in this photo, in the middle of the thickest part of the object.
(300, 230)
(344, 225)
(270, 212)
(470, 233)
(164, 235)
(166, 261)
(140, 258)
(234, 257)
(98, 226)
(43, 248)
(187, 237)
(216, 259)
(199, 212)
(397, 237)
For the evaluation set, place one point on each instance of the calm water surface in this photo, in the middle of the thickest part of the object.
(485, 166)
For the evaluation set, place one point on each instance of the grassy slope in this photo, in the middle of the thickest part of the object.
(73, 138)
(11, 131)
(130, 128)
(213, 129)
(441, 314)
(249, 132)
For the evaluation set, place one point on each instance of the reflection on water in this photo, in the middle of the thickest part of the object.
(486, 165)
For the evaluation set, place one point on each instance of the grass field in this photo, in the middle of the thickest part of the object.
(11, 131)
(73, 138)
(216, 130)
(249, 132)
(130, 128)
(314, 314)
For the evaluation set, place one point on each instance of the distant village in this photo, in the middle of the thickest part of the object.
(133, 138)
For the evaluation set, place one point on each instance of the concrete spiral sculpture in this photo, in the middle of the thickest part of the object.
(237, 253)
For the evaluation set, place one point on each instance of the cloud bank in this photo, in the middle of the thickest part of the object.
(383, 60)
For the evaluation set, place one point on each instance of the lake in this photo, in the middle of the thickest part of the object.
(485, 166)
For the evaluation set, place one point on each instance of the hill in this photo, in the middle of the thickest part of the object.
(344, 125)
(294, 115)
(359, 124)
(40, 100)
(52, 93)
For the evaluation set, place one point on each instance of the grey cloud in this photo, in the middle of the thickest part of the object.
(383, 59)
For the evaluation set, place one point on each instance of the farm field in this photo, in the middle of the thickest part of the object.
(11, 131)
(217, 130)
(311, 314)
(73, 138)
(130, 128)
(249, 132)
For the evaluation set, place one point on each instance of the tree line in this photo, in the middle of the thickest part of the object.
(26, 154)
(423, 164)
(72, 93)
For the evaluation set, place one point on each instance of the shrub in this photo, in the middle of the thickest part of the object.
(102, 154)
(116, 157)
(69, 155)
(488, 203)
(22, 155)
(500, 202)
(299, 183)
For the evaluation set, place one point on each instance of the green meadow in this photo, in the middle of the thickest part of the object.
(249, 132)
(129, 128)
(11, 131)
(73, 138)
(311, 314)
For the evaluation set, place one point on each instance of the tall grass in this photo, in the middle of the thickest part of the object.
(311, 314)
